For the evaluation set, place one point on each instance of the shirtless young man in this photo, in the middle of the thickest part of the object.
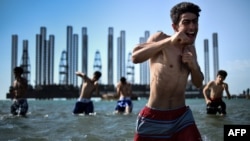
(20, 86)
(84, 103)
(124, 91)
(215, 89)
(172, 60)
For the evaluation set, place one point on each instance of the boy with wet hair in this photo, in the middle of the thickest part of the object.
(172, 60)
(213, 94)
(84, 103)
(124, 91)
(19, 89)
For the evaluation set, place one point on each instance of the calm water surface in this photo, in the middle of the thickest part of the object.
(51, 120)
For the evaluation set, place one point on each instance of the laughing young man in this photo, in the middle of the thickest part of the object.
(172, 59)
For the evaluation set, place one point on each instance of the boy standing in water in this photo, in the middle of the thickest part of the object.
(172, 60)
(215, 89)
(84, 103)
(124, 91)
(20, 86)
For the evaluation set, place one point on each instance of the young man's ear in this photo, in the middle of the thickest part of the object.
(175, 27)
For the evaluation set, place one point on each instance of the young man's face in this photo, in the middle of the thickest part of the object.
(95, 77)
(220, 78)
(17, 74)
(188, 24)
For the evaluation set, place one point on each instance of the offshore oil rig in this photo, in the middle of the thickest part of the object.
(68, 87)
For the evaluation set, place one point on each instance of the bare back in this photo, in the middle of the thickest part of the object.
(87, 90)
(20, 88)
(124, 90)
(88, 86)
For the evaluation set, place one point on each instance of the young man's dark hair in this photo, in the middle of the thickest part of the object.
(18, 70)
(222, 73)
(97, 74)
(181, 8)
(123, 80)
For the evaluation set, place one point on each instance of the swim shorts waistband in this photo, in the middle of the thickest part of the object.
(20, 99)
(163, 114)
(84, 100)
(124, 98)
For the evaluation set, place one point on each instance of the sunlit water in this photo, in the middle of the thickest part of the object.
(50, 120)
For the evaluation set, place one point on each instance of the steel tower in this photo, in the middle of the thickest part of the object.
(144, 67)
(25, 64)
(14, 53)
(48, 60)
(38, 60)
(44, 58)
(63, 68)
(72, 54)
(130, 69)
(84, 50)
(75, 58)
(98, 63)
(40, 56)
(216, 54)
(69, 56)
(51, 50)
(146, 36)
(121, 56)
(206, 55)
(110, 56)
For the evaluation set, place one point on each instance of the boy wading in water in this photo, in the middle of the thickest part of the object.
(20, 85)
(172, 59)
(124, 91)
(84, 103)
(214, 97)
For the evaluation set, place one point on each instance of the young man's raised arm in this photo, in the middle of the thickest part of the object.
(155, 43)
(83, 76)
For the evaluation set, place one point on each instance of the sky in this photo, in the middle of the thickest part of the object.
(229, 19)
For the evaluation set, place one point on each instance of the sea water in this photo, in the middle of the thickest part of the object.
(52, 120)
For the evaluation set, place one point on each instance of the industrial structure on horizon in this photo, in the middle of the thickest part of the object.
(215, 57)
(45, 49)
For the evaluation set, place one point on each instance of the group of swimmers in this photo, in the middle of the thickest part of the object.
(90, 85)
(84, 103)
(173, 59)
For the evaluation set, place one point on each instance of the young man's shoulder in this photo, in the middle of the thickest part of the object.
(24, 80)
(118, 84)
(96, 83)
(158, 36)
(225, 84)
(211, 83)
(162, 34)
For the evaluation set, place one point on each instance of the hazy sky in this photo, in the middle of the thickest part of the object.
(229, 18)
